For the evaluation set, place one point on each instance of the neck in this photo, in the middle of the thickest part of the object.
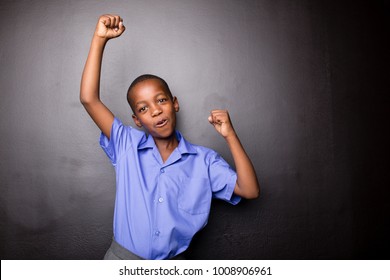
(166, 145)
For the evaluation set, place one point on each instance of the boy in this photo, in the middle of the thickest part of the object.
(164, 183)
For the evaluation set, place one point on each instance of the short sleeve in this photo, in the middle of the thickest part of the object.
(119, 142)
(223, 180)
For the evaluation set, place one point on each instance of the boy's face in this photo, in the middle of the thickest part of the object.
(154, 108)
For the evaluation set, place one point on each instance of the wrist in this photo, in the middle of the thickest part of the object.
(230, 137)
(99, 40)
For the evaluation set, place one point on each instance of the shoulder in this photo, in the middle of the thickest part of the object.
(203, 152)
(118, 123)
(209, 156)
(120, 130)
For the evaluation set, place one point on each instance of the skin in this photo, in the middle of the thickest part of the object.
(155, 110)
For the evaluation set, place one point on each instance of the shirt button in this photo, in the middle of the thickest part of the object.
(162, 170)
(160, 199)
(157, 233)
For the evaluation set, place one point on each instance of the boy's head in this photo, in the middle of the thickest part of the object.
(145, 77)
(153, 105)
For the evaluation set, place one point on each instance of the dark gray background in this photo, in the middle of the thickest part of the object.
(304, 82)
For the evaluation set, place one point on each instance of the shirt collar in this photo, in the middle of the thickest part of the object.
(147, 143)
(183, 148)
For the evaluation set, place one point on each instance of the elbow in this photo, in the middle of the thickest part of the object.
(85, 100)
(257, 194)
(254, 193)
(87, 96)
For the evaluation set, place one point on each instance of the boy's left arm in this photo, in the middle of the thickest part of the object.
(247, 185)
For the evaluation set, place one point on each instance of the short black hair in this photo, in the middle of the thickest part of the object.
(145, 77)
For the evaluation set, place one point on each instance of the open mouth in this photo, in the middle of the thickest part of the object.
(161, 123)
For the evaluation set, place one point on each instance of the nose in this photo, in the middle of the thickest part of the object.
(156, 111)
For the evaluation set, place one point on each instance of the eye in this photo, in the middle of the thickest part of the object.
(142, 109)
(162, 100)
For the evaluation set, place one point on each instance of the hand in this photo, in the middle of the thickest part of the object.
(109, 26)
(221, 121)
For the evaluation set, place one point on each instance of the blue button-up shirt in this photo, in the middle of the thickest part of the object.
(160, 205)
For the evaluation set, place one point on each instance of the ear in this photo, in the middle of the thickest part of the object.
(136, 121)
(176, 104)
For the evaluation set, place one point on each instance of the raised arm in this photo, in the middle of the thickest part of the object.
(247, 185)
(108, 27)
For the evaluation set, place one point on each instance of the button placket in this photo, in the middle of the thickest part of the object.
(159, 200)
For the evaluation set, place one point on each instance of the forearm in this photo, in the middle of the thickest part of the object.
(90, 84)
(90, 81)
(247, 184)
(108, 27)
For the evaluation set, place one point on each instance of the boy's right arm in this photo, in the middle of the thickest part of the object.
(108, 27)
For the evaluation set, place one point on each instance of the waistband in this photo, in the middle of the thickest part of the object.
(122, 253)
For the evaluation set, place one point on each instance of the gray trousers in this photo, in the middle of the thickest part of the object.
(117, 252)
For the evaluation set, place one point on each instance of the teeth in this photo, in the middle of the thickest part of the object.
(160, 123)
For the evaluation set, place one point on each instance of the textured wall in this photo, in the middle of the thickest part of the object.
(304, 83)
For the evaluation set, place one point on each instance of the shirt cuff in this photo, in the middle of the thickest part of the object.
(230, 196)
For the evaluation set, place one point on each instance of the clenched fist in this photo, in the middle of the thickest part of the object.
(221, 121)
(109, 26)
